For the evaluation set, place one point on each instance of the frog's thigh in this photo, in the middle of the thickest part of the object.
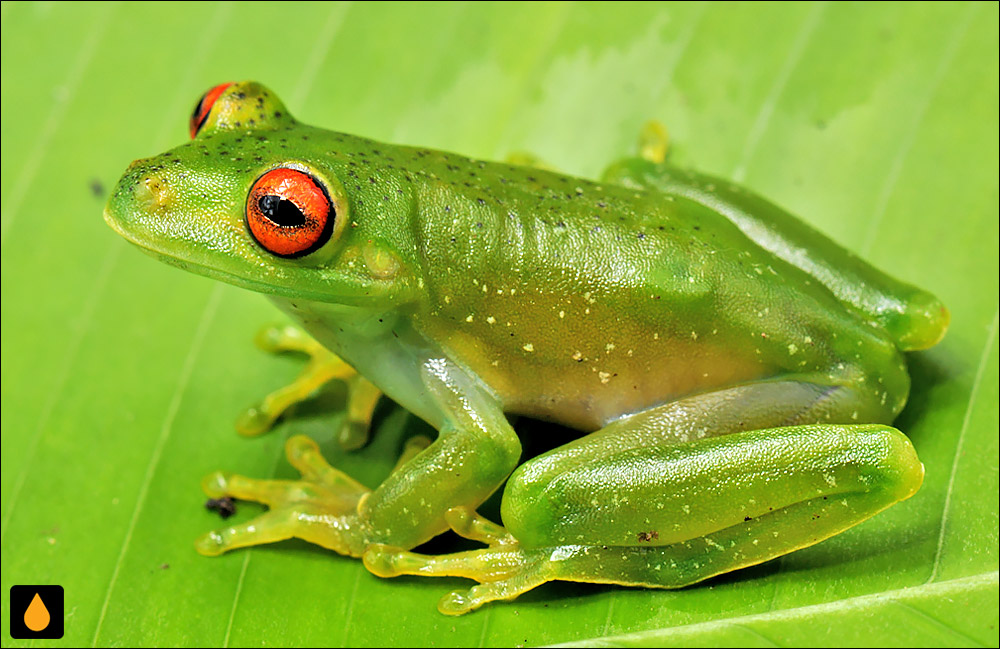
(713, 454)
(695, 510)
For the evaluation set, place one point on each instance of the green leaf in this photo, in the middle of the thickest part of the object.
(121, 377)
(922, 616)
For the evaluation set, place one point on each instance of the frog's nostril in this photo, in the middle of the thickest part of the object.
(135, 163)
(153, 194)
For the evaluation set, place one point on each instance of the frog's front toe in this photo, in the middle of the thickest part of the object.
(321, 508)
(323, 366)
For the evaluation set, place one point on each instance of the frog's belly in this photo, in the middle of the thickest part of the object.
(586, 391)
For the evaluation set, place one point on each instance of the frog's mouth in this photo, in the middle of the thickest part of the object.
(355, 291)
(194, 266)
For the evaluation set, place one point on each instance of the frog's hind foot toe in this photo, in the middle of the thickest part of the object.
(459, 602)
(653, 141)
(525, 159)
(413, 447)
(468, 524)
(504, 572)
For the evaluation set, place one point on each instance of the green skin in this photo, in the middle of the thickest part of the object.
(730, 369)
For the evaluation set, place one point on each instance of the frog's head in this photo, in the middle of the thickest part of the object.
(257, 199)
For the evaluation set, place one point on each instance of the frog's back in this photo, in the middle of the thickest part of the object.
(580, 303)
(914, 319)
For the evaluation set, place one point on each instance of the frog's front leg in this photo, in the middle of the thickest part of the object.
(679, 493)
(323, 366)
(475, 451)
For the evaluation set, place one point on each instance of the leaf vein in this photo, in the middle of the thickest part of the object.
(766, 111)
(755, 632)
(318, 54)
(56, 393)
(973, 395)
(818, 611)
(916, 612)
(175, 403)
(896, 168)
(236, 598)
(60, 104)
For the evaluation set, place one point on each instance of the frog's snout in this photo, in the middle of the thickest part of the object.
(153, 194)
(144, 195)
(146, 186)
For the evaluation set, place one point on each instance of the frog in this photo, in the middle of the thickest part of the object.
(731, 374)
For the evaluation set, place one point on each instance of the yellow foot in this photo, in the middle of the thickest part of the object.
(504, 572)
(653, 142)
(470, 525)
(323, 366)
(524, 159)
(320, 508)
(504, 569)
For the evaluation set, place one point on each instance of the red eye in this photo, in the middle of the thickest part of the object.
(204, 107)
(289, 213)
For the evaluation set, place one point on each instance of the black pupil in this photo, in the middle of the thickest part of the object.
(197, 108)
(281, 212)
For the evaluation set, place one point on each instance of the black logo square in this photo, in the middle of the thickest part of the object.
(36, 612)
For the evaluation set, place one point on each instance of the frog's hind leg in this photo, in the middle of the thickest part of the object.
(912, 317)
(674, 495)
(525, 159)
(673, 523)
(653, 142)
(323, 366)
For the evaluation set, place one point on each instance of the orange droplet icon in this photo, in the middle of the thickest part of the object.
(36, 617)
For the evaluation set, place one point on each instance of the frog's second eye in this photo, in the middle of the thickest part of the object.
(289, 213)
(204, 107)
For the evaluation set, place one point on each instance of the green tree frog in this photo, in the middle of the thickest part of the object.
(731, 371)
